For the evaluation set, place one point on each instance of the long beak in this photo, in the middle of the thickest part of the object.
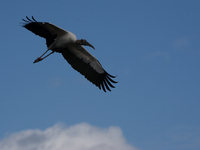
(88, 44)
(84, 42)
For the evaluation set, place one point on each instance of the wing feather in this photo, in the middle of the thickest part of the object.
(44, 29)
(81, 60)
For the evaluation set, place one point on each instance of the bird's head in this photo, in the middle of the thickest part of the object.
(83, 42)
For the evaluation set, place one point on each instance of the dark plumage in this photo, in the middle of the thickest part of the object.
(65, 42)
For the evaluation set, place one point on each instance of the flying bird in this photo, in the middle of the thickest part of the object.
(66, 43)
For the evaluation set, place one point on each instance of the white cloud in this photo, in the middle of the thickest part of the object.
(55, 82)
(184, 43)
(78, 137)
(185, 137)
(158, 54)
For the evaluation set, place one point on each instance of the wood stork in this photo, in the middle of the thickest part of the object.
(66, 43)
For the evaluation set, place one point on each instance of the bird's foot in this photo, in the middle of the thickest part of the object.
(38, 59)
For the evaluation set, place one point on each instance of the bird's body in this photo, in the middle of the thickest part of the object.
(66, 43)
(63, 40)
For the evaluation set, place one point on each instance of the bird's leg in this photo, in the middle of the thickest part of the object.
(40, 58)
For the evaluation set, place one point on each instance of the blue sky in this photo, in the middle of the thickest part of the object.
(151, 45)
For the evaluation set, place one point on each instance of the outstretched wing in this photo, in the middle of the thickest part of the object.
(85, 63)
(43, 29)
